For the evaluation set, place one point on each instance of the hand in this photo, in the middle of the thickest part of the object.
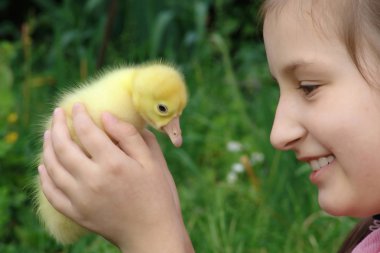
(118, 186)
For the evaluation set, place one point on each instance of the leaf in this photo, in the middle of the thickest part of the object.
(91, 5)
(6, 101)
(70, 36)
(200, 18)
(6, 76)
(163, 21)
(7, 52)
(4, 148)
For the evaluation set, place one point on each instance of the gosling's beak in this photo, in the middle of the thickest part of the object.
(173, 130)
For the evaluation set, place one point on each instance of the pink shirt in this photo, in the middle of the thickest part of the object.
(370, 244)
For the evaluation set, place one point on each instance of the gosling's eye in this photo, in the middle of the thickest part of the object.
(162, 108)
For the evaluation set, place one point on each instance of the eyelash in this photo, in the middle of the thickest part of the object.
(308, 89)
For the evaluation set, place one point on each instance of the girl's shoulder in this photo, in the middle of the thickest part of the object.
(370, 244)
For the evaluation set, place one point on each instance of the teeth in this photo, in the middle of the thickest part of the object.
(315, 165)
(321, 162)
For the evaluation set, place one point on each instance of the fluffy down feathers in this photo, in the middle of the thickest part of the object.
(153, 94)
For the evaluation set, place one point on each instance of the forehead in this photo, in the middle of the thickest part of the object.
(296, 33)
(305, 16)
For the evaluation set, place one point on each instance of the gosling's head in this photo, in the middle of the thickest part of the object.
(159, 95)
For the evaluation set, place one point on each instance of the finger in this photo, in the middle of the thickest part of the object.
(94, 140)
(155, 148)
(151, 141)
(68, 153)
(56, 172)
(127, 138)
(53, 194)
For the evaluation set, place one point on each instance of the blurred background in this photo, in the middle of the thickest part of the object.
(238, 194)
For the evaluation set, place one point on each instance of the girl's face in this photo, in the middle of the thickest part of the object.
(327, 112)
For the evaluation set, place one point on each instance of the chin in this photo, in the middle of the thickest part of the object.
(339, 208)
(336, 206)
(334, 211)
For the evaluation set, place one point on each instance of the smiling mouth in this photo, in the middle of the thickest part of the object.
(318, 164)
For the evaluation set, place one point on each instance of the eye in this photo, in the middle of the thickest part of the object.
(162, 108)
(308, 88)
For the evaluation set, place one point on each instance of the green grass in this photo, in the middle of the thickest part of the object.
(270, 207)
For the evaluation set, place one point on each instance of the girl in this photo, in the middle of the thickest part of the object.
(324, 55)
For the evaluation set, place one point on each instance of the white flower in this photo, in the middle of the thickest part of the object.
(231, 177)
(237, 167)
(234, 146)
(257, 157)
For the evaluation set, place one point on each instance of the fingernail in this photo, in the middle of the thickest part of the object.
(40, 169)
(57, 111)
(109, 118)
(46, 134)
(77, 107)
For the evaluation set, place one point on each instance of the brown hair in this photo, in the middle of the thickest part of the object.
(357, 24)
(358, 27)
(357, 234)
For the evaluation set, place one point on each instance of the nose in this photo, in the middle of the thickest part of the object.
(287, 129)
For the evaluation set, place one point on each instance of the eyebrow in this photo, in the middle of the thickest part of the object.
(294, 65)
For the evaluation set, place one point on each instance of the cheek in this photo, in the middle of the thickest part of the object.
(352, 134)
(350, 121)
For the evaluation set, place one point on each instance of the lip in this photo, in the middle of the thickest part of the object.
(310, 158)
(316, 176)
